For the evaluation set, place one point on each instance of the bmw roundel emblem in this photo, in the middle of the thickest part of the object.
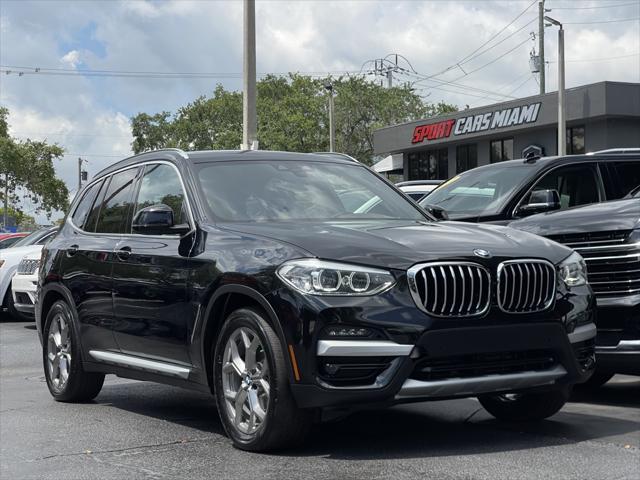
(480, 252)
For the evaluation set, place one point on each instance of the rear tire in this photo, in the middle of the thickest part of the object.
(66, 379)
(251, 380)
(525, 407)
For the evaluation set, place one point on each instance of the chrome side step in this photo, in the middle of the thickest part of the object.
(138, 363)
(477, 385)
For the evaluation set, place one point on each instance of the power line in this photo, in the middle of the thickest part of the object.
(521, 85)
(601, 59)
(471, 56)
(595, 6)
(501, 30)
(603, 21)
(29, 70)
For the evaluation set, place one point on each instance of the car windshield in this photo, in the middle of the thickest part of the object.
(298, 191)
(482, 191)
(30, 239)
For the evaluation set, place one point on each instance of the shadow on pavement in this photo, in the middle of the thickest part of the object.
(622, 391)
(421, 430)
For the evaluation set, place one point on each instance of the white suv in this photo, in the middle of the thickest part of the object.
(25, 283)
(11, 257)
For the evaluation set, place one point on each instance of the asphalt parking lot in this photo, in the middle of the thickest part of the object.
(143, 430)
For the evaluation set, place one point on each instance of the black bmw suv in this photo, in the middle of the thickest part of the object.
(246, 275)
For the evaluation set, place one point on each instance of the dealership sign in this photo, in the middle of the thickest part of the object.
(482, 122)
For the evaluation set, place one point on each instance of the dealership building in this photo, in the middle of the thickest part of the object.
(598, 116)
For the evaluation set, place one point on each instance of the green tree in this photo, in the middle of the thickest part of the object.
(28, 173)
(292, 116)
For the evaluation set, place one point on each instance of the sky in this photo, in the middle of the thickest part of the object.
(442, 43)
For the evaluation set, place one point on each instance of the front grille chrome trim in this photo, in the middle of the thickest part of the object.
(446, 300)
(528, 269)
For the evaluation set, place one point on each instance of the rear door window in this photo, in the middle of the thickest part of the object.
(117, 203)
(576, 185)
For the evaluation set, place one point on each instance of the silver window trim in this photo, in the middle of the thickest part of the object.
(138, 235)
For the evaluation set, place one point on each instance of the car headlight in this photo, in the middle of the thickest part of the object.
(319, 277)
(573, 270)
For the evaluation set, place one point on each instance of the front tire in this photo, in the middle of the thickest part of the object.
(251, 382)
(525, 407)
(597, 380)
(10, 306)
(66, 379)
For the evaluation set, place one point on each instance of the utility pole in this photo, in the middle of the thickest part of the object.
(541, 45)
(6, 200)
(249, 115)
(79, 174)
(562, 127)
(332, 127)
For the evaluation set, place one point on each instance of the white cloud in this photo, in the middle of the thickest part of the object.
(72, 58)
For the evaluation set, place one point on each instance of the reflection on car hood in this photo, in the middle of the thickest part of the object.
(400, 244)
(600, 217)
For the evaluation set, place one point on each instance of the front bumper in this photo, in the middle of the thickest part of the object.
(23, 289)
(618, 340)
(460, 362)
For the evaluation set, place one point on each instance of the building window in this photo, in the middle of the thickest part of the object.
(501, 150)
(429, 165)
(575, 140)
(466, 157)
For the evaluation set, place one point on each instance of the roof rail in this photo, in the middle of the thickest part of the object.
(337, 154)
(179, 151)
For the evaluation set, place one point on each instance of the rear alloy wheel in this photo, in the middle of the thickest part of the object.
(525, 407)
(66, 379)
(251, 380)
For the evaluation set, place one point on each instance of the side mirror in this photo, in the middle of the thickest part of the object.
(436, 211)
(541, 201)
(156, 220)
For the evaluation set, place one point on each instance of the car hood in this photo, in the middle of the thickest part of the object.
(10, 254)
(400, 244)
(600, 217)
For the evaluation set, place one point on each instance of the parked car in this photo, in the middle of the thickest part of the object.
(24, 284)
(418, 189)
(244, 275)
(9, 260)
(505, 191)
(9, 239)
(607, 235)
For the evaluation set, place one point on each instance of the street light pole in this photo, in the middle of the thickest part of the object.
(332, 131)
(562, 127)
(249, 115)
(541, 46)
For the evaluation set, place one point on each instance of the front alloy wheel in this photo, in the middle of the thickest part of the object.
(251, 384)
(245, 380)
